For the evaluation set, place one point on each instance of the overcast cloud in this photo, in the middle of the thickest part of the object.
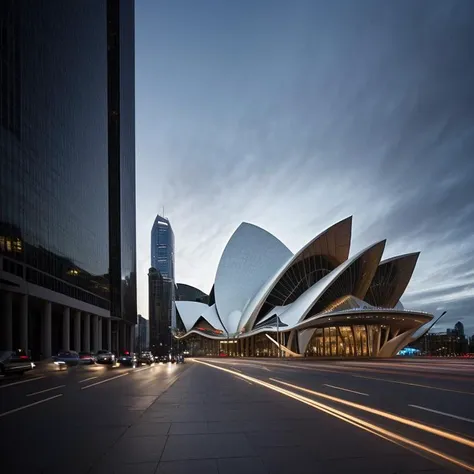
(292, 115)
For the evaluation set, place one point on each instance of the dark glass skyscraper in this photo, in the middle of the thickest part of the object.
(67, 174)
(162, 247)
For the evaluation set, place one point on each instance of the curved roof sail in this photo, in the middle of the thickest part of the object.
(314, 261)
(250, 258)
(391, 280)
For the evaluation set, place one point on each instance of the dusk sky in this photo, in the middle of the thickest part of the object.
(292, 115)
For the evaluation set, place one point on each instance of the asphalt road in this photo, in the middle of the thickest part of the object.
(240, 415)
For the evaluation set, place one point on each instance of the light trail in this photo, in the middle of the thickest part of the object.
(346, 417)
(384, 414)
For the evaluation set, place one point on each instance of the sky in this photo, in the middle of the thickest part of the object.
(293, 115)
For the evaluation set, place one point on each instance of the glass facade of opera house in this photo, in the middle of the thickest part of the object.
(320, 302)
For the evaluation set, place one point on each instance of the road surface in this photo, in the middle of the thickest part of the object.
(242, 416)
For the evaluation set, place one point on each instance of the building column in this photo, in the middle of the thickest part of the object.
(122, 329)
(77, 331)
(108, 331)
(99, 333)
(87, 332)
(6, 320)
(46, 331)
(95, 333)
(24, 323)
(132, 338)
(66, 328)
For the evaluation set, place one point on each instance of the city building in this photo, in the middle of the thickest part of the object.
(141, 334)
(449, 343)
(267, 301)
(67, 175)
(162, 247)
(160, 292)
(162, 259)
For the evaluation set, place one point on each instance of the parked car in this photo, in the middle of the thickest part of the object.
(146, 358)
(105, 357)
(65, 359)
(87, 358)
(15, 362)
(128, 358)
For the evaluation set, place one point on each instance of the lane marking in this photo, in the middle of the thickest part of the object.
(443, 413)
(413, 384)
(47, 390)
(22, 381)
(30, 405)
(86, 380)
(142, 368)
(358, 422)
(104, 381)
(346, 390)
(385, 414)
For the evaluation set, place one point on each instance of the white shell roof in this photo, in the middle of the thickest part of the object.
(334, 241)
(190, 311)
(210, 315)
(251, 257)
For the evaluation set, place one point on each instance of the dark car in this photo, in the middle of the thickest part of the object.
(87, 358)
(15, 362)
(162, 359)
(146, 358)
(180, 359)
(66, 359)
(105, 357)
(128, 358)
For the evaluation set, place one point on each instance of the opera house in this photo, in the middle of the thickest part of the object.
(267, 301)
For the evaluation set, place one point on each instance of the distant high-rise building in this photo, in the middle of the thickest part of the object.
(162, 258)
(459, 328)
(141, 334)
(162, 247)
(160, 292)
(67, 175)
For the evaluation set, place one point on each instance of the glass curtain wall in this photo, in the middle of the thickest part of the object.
(346, 341)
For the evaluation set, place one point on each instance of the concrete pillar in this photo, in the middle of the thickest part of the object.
(99, 332)
(123, 340)
(108, 333)
(132, 339)
(24, 322)
(6, 330)
(46, 349)
(66, 328)
(95, 333)
(87, 332)
(77, 331)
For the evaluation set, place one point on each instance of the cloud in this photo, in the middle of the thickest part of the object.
(320, 112)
